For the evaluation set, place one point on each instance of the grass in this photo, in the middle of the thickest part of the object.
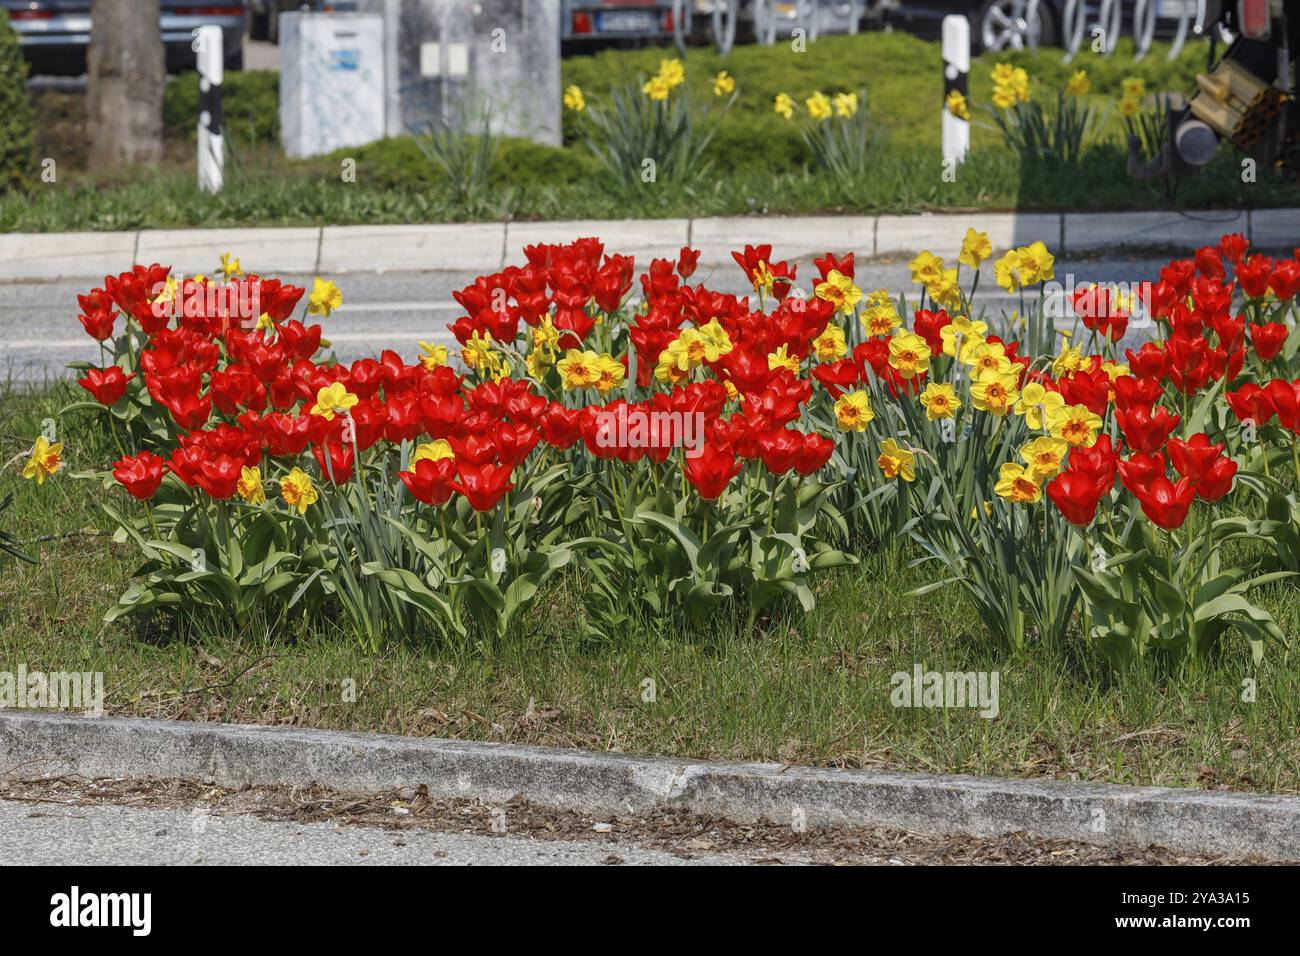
(759, 162)
(813, 691)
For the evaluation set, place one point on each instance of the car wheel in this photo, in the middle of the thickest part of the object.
(1005, 25)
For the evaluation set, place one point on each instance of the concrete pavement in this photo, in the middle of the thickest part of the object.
(485, 247)
(39, 333)
(43, 834)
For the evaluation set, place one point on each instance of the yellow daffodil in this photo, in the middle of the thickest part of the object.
(1133, 87)
(830, 346)
(1076, 424)
(908, 354)
(956, 104)
(298, 491)
(1017, 483)
(673, 72)
(250, 486)
(1036, 264)
(995, 394)
(610, 373)
(325, 297)
(432, 356)
(656, 88)
(45, 460)
(939, 399)
(987, 358)
(1037, 405)
(478, 354)
(579, 369)
(839, 290)
(853, 411)
(1044, 456)
(846, 104)
(435, 450)
(574, 99)
(784, 105)
(926, 268)
(880, 317)
(896, 462)
(1006, 271)
(975, 248)
(1070, 360)
(1079, 84)
(819, 106)
(230, 267)
(967, 331)
(1129, 107)
(782, 358)
(334, 399)
(945, 290)
(724, 84)
(717, 342)
(545, 335)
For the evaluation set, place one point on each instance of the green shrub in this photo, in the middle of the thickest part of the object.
(15, 110)
(250, 104)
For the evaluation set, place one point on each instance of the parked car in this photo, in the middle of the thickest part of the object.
(592, 21)
(55, 33)
(1003, 24)
(264, 15)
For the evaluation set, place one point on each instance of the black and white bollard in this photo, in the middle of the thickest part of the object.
(208, 45)
(956, 67)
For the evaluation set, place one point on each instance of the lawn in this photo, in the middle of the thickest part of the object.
(757, 162)
(813, 690)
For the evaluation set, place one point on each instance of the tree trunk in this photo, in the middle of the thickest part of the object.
(127, 68)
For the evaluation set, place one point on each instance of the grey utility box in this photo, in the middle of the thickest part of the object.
(332, 81)
(453, 60)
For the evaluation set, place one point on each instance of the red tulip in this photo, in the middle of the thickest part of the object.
(1253, 276)
(1217, 480)
(483, 485)
(1138, 471)
(108, 386)
(1250, 403)
(99, 323)
(779, 449)
(337, 467)
(140, 474)
(1193, 458)
(561, 427)
(815, 451)
(1075, 495)
(711, 470)
(1268, 339)
(1098, 463)
(514, 442)
(1285, 279)
(1233, 247)
(1166, 503)
(430, 481)
(219, 475)
(1284, 396)
(1146, 430)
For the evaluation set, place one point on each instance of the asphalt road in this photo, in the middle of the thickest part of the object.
(51, 835)
(39, 333)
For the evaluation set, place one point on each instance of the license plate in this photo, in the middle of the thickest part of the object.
(1173, 9)
(627, 21)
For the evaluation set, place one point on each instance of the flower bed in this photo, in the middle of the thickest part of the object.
(694, 453)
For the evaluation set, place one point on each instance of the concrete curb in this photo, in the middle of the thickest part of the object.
(1201, 822)
(486, 247)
